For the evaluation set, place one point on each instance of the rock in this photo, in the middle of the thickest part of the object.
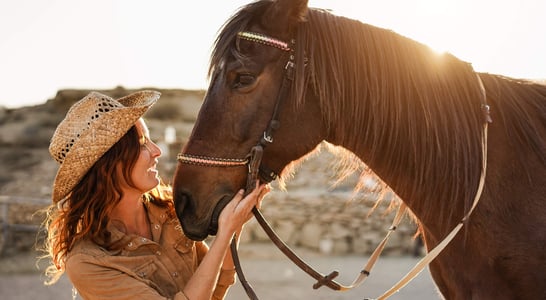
(285, 229)
(311, 235)
(342, 246)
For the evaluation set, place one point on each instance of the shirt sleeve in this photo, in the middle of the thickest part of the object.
(225, 280)
(201, 248)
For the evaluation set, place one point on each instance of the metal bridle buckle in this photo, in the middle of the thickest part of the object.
(268, 138)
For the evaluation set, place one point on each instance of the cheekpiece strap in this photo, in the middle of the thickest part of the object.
(263, 39)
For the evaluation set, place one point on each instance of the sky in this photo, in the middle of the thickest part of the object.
(100, 44)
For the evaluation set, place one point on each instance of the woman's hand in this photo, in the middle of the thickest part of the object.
(232, 218)
(239, 210)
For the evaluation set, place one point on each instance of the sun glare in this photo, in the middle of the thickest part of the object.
(490, 34)
(436, 23)
(171, 48)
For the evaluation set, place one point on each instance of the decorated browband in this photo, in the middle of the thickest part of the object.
(263, 39)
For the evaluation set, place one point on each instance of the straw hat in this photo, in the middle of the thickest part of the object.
(91, 127)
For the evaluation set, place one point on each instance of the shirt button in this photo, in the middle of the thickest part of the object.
(130, 244)
(187, 243)
(158, 253)
(156, 226)
(175, 274)
(143, 240)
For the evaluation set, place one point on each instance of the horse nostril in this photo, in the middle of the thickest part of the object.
(181, 200)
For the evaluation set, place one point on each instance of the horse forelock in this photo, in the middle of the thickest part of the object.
(225, 41)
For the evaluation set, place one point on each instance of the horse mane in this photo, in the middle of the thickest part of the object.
(417, 113)
(413, 112)
(516, 102)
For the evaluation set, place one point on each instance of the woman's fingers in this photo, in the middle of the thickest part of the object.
(253, 199)
(239, 209)
(250, 201)
(236, 199)
(266, 189)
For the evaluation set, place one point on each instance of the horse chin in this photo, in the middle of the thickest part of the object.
(196, 228)
(193, 236)
(191, 231)
(213, 227)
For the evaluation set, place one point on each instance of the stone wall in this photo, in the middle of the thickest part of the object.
(316, 214)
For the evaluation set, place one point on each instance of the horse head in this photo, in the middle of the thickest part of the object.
(250, 101)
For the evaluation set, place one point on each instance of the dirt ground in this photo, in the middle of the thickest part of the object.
(272, 276)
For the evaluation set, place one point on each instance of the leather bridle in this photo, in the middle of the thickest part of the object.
(256, 170)
(265, 174)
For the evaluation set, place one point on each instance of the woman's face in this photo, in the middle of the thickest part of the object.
(145, 175)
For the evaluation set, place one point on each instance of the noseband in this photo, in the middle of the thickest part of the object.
(211, 161)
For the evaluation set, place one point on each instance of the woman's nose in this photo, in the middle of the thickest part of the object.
(156, 150)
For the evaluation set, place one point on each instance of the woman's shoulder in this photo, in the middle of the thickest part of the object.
(87, 250)
(84, 251)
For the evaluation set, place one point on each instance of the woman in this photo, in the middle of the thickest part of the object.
(112, 226)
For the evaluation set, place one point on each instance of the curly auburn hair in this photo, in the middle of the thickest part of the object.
(83, 214)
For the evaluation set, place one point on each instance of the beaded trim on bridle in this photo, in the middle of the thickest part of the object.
(211, 161)
(263, 39)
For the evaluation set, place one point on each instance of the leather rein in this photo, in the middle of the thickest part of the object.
(256, 171)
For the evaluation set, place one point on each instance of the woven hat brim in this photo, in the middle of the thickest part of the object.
(97, 140)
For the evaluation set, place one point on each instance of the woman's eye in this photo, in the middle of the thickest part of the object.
(243, 80)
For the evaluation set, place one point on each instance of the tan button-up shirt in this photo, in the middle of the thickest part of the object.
(143, 268)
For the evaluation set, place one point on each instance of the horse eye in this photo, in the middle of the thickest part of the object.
(244, 80)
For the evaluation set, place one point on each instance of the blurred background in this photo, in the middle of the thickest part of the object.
(50, 45)
(52, 53)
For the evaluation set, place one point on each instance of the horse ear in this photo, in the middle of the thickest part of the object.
(284, 13)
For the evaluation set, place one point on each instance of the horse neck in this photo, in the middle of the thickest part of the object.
(412, 116)
(430, 175)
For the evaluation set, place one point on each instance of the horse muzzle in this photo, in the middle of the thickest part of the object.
(198, 227)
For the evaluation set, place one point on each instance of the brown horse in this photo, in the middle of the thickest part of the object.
(413, 116)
